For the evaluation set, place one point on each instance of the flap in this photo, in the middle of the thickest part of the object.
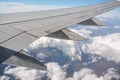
(66, 34)
(93, 22)
(20, 59)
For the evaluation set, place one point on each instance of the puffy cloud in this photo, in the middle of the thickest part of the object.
(12, 7)
(107, 46)
(83, 32)
(88, 74)
(23, 74)
(55, 72)
(68, 47)
(111, 74)
(85, 74)
(117, 26)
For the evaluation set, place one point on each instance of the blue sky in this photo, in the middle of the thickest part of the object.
(33, 5)
(57, 2)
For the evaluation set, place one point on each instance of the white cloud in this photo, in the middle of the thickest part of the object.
(117, 26)
(85, 74)
(55, 72)
(68, 47)
(12, 7)
(88, 74)
(105, 46)
(83, 32)
(23, 74)
(111, 73)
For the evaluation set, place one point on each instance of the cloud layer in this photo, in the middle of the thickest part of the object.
(55, 72)
(107, 46)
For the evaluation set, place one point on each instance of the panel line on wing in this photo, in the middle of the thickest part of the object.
(5, 33)
(11, 38)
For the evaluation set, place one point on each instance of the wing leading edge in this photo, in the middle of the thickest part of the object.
(18, 30)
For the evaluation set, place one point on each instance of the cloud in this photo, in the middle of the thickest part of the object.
(117, 26)
(85, 74)
(83, 32)
(12, 7)
(55, 72)
(107, 47)
(22, 73)
(88, 74)
(68, 47)
(111, 73)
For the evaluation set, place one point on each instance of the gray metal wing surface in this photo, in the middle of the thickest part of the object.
(18, 30)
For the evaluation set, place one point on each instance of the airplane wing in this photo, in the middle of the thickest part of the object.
(18, 30)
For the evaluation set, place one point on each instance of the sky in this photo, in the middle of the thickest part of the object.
(56, 2)
(11, 6)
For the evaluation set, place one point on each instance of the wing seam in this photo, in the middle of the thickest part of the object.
(11, 37)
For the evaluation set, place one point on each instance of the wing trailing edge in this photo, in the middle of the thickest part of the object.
(93, 22)
(66, 34)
